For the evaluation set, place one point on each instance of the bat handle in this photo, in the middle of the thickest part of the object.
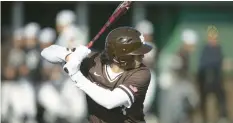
(97, 36)
(89, 45)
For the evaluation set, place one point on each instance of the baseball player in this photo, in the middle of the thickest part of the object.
(31, 32)
(177, 85)
(46, 38)
(69, 33)
(18, 98)
(16, 54)
(115, 80)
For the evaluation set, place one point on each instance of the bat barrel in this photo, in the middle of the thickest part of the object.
(123, 7)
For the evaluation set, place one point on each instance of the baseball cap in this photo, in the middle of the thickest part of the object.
(189, 36)
(47, 35)
(145, 27)
(65, 17)
(31, 30)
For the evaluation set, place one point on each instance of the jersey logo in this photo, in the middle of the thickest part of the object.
(134, 89)
(96, 74)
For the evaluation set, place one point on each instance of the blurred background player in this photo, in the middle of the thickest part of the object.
(70, 35)
(18, 96)
(61, 100)
(64, 19)
(210, 73)
(49, 97)
(21, 88)
(31, 32)
(17, 54)
(178, 87)
(47, 37)
(147, 30)
(9, 80)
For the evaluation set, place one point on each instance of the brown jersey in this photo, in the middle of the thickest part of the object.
(133, 82)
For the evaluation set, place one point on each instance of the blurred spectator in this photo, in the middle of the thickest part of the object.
(18, 98)
(189, 38)
(18, 37)
(49, 97)
(32, 52)
(9, 79)
(180, 89)
(64, 19)
(62, 101)
(26, 92)
(31, 32)
(210, 73)
(46, 38)
(147, 30)
(70, 35)
(16, 54)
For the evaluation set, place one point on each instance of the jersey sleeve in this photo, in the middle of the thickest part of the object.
(136, 85)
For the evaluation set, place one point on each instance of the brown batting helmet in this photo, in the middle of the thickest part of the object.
(123, 43)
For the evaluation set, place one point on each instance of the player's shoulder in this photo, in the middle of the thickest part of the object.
(90, 60)
(93, 53)
(143, 69)
(141, 74)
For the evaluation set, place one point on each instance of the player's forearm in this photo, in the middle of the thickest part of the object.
(98, 94)
(55, 53)
(104, 97)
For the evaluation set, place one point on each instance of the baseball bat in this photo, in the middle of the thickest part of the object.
(119, 11)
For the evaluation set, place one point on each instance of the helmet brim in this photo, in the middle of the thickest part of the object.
(145, 48)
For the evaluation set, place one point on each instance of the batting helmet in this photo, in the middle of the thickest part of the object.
(123, 43)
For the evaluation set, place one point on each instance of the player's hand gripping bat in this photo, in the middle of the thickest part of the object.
(120, 10)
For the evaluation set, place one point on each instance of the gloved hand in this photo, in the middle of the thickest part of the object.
(55, 53)
(75, 58)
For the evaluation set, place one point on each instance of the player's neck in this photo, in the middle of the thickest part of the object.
(115, 68)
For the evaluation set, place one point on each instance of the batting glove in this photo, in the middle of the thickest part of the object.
(75, 59)
(55, 53)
